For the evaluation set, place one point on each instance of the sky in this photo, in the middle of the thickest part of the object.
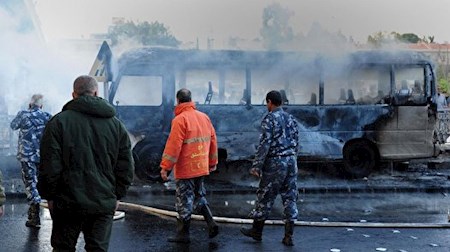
(220, 19)
(30, 66)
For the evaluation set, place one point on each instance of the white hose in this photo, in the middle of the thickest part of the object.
(161, 212)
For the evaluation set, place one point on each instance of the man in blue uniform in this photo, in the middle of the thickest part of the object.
(276, 164)
(31, 124)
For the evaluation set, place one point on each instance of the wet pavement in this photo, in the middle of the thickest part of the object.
(418, 193)
(140, 231)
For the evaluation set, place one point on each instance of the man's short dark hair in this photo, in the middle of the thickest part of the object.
(184, 95)
(275, 97)
(85, 85)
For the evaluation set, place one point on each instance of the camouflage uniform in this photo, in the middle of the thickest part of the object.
(31, 124)
(276, 160)
(190, 195)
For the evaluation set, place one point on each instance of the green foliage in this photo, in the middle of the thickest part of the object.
(144, 33)
(377, 39)
(409, 38)
(276, 29)
(444, 85)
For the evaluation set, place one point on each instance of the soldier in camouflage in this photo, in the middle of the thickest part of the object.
(276, 164)
(31, 124)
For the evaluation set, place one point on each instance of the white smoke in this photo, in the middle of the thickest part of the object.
(28, 65)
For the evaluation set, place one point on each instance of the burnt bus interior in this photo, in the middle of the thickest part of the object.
(360, 109)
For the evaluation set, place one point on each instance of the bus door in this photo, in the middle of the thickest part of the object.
(411, 130)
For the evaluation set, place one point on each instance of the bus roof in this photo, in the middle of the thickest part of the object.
(229, 58)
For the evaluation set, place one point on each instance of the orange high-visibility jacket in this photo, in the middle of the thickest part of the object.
(192, 146)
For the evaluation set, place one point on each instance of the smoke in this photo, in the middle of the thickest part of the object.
(28, 65)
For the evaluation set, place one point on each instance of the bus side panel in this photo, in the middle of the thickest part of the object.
(407, 135)
(323, 130)
(237, 128)
(143, 121)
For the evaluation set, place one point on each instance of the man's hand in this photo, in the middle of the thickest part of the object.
(2, 210)
(212, 168)
(164, 174)
(255, 172)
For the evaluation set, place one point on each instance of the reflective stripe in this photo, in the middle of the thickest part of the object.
(197, 140)
(170, 158)
(213, 156)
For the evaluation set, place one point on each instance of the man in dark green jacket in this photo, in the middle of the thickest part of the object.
(86, 168)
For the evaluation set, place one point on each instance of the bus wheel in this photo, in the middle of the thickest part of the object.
(360, 158)
(147, 162)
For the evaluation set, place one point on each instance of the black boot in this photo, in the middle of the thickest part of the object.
(33, 216)
(213, 229)
(256, 231)
(182, 235)
(288, 233)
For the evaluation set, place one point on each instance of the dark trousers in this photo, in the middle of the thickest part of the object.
(29, 177)
(67, 227)
(190, 195)
(279, 176)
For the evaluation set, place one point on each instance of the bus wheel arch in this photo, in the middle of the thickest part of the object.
(360, 157)
(147, 159)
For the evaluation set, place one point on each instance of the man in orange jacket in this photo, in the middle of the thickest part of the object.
(191, 150)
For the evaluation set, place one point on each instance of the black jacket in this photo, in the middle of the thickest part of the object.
(86, 161)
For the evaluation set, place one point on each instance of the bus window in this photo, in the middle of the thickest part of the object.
(139, 91)
(234, 87)
(300, 88)
(196, 80)
(365, 85)
(227, 85)
(263, 80)
(409, 85)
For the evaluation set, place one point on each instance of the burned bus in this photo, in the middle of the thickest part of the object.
(359, 109)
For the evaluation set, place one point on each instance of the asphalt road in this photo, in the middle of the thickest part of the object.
(139, 231)
(415, 195)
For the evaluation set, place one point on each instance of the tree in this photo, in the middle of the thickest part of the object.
(276, 29)
(144, 33)
(444, 85)
(379, 38)
(409, 38)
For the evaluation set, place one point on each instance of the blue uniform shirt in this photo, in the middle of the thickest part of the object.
(31, 124)
(279, 137)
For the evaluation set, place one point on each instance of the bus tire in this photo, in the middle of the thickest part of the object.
(147, 160)
(360, 159)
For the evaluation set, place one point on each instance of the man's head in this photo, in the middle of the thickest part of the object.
(84, 85)
(37, 100)
(273, 100)
(184, 95)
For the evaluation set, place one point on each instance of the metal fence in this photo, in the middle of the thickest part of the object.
(443, 125)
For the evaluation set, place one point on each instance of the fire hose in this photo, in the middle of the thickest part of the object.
(167, 213)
